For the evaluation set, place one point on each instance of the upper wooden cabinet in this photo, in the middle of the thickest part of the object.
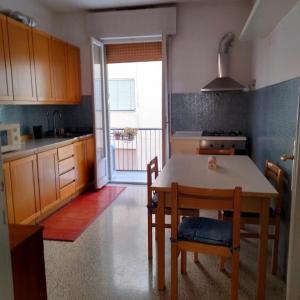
(6, 93)
(59, 54)
(36, 67)
(22, 64)
(73, 63)
(43, 66)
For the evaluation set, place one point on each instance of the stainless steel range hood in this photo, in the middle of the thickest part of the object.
(223, 82)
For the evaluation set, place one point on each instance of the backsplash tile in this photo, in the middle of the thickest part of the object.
(73, 116)
(210, 111)
(272, 128)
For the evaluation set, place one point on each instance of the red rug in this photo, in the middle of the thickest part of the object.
(70, 221)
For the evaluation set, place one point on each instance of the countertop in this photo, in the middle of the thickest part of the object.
(197, 135)
(40, 145)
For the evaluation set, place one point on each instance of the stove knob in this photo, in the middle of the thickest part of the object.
(222, 146)
(233, 146)
(211, 145)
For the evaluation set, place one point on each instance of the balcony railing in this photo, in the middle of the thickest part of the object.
(133, 149)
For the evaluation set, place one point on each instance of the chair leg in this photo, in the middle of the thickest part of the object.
(196, 258)
(149, 235)
(183, 262)
(275, 246)
(174, 272)
(222, 263)
(235, 275)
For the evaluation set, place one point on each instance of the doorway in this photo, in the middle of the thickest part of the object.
(134, 84)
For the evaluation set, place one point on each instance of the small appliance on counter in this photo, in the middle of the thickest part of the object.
(10, 137)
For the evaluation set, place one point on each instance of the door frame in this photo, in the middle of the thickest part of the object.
(165, 122)
(6, 282)
(293, 271)
(94, 41)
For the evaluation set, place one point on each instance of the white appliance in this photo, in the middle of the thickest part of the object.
(10, 137)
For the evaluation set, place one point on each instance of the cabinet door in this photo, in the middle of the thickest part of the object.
(21, 56)
(8, 194)
(59, 58)
(5, 70)
(25, 192)
(74, 88)
(80, 164)
(90, 159)
(48, 179)
(185, 146)
(43, 66)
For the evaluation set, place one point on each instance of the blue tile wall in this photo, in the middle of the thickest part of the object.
(210, 111)
(272, 128)
(73, 116)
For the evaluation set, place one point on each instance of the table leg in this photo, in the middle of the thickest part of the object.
(160, 223)
(263, 250)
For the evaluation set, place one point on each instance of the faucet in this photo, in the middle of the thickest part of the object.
(56, 112)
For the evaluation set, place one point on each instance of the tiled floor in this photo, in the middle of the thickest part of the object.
(129, 176)
(109, 261)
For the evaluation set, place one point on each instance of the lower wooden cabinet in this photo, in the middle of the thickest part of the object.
(48, 179)
(25, 189)
(38, 184)
(80, 164)
(183, 146)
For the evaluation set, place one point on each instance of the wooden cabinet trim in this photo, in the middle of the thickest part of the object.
(6, 60)
(8, 193)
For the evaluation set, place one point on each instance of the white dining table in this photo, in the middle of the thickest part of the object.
(232, 171)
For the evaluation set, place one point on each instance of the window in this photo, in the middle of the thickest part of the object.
(121, 94)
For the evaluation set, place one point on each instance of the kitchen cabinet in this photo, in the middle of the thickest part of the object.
(81, 177)
(73, 71)
(43, 66)
(6, 93)
(184, 146)
(8, 194)
(48, 179)
(22, 64)
(38, 184)
(25, 189)
(27, 261)
(90, 158)
(59, 58)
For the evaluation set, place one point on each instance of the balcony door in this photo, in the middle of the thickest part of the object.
(100, 113)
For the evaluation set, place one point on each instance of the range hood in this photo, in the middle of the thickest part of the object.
(223, 82)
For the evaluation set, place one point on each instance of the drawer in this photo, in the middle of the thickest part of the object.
(67, 191)
(65, 152)
(66, 165)
(67, 178)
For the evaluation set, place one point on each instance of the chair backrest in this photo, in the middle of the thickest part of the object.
(152, 170)
(190, 197)
(275, 175)
(229, 151)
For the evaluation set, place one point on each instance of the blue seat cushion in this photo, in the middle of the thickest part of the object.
(229, 214)
(205, 230)
(154, 201)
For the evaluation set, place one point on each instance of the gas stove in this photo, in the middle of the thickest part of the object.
(222, 133)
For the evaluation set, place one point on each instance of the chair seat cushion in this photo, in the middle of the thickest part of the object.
(229, 214)
(205, 230)
(154, 201)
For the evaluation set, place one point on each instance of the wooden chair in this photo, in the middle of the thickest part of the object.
(275, 176)
(152, 201)
(222, 239)
(229, 151)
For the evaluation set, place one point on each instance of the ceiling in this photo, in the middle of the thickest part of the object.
(80, 5)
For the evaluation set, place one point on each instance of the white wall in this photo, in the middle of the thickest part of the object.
(148, 94)
(194, 48)
(44, 17)
(277, 57)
